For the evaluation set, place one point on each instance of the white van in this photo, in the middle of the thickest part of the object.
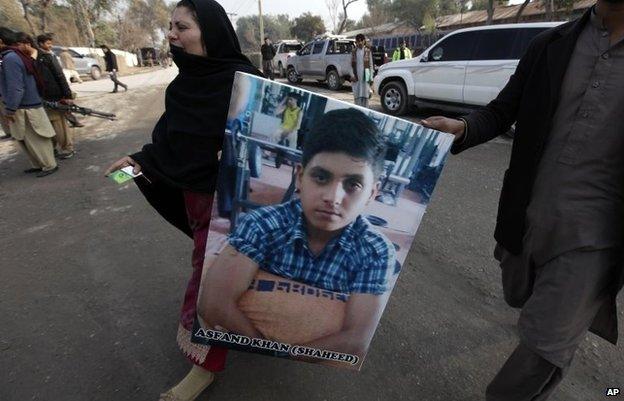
(464, 70)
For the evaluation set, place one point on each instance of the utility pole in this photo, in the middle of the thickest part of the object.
(261, 22)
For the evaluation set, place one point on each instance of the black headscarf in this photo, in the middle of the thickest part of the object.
(186, 139)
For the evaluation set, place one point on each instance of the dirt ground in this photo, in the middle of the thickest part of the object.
(91, 281)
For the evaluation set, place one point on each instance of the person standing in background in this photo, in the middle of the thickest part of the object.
(112, 68)
(6, 39)
(362, 77)
(56, 90)
(268, 52)
(20, 86)
(401, 52)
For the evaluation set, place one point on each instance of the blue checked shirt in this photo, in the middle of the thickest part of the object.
(359, 260)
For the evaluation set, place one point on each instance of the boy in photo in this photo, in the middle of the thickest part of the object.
(320, 240)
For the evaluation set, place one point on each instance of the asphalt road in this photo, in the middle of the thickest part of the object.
(91, 281)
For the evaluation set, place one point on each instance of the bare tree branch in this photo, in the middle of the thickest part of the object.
(44, 9)
(25, 5)
(521, 10)
(343, 23)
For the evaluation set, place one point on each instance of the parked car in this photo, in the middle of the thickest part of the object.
(283, 50)
(464, 70)
(327, 60)
(84, 65)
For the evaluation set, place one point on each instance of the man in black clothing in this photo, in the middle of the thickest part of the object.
(268, 52)
(111, 67)
(56, 90)
(560, 225)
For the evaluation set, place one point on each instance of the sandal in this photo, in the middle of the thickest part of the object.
(170, 396)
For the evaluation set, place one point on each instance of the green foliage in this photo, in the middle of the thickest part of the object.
(105, 33)
(307, 25)
(276, 27)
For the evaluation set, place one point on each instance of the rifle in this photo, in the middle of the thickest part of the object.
(73, 108)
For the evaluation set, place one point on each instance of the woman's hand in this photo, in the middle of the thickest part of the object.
(124, 162)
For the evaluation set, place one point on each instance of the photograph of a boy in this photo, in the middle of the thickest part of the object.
(291, 115)
(320, 239)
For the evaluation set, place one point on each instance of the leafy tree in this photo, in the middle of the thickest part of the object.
(307, 25)
(248, 30)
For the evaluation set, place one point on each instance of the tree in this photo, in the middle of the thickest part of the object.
(275, 27)
(521, 9)
(332, 8)
(348, 25)
(307, 25)
(26, 5)
(488, 5)
(379, 13)
(142, 23)
(11, 15)
(414, 12)
(81, 15)
(344, 16)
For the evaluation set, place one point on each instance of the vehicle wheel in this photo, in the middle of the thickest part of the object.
(96, 73)
(281, 69)
(394, 98)
(334, 82)
(292, 76)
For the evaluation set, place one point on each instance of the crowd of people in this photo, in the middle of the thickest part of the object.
(34, 95)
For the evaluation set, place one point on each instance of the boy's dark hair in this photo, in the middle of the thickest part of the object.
(360, 36)
(23, 37)
(44, 37)
(348, 131)
(294, 96)
(7, 36)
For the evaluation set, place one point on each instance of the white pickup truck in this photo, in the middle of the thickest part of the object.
(283, 50)
(327, 60)
(466, 69)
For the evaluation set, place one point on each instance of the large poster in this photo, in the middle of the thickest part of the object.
(317, 205)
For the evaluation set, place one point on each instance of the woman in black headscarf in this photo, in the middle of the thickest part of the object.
(181, 162)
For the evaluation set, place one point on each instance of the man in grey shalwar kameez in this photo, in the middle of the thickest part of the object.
(560, 227)
(361, 63)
